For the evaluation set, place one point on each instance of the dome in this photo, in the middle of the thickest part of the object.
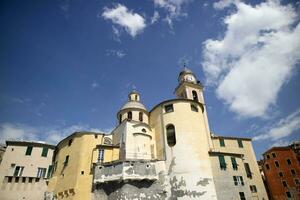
(185, 71)
(133, 104)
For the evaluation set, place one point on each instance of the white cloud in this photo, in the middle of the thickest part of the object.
(52, 135)
(155, 17)
(133, 23)
(255, 58)
(223, 4)
(94, 85)
(173, 8)
(283, 128)
(113, 52)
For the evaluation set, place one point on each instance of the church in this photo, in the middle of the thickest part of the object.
(168, 152)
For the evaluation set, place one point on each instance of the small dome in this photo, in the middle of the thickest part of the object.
(133, 104)
(185, 71)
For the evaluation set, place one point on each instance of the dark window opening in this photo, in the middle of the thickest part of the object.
(70, 142)
(222, 142)
(289, 162)
(240, 143)
(276, 163)
(140, 116)
(234, 163)
(44, 152)
(37, 179)
(284, 184)
(288, 194)
(248, 170)
(293, 172)
(171, 137)
(28, 151)
(169, 108)
(222, 162)
(66, 160)
(195, 95)
(242, 196)
(268, 156)
(253, 189)
(23, 179)
(120, 119)
(280, 174)
(82, 172)
(129, 115)
(17, 179)
(267, 166)
(194, 108)
(297, 181)
(30, 180)
(274, 155)
(136, 97)
(9, 179)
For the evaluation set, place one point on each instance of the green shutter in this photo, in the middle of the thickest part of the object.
(222, 162)
(45, 152)
(240, 142)
(50, 169)
(222, 142)
(28, 151)
(234, 163)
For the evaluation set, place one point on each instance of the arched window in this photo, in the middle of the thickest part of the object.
(120, 119)
(136, 97)
(171, 138)
(195, 95)
(141, 116)
(129, 115)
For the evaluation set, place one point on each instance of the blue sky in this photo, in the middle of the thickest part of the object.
(68, 65)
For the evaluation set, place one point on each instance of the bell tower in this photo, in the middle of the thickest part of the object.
(189, 87)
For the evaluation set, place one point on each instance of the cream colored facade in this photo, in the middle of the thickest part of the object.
(73, 162)
(164, 153)
(25, 176)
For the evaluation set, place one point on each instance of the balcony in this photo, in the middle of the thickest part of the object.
(127, 170)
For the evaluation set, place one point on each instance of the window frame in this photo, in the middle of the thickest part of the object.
(29, 151)
(171, 135)
(45, 152)
(169, 108)
(222, 142)
(240, 143)
(222, 162)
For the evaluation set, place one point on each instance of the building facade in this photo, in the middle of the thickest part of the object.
(282, 172)
(73, 162)
(25, 169)
(167, 152)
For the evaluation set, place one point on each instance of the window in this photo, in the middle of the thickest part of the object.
(288, 195)
(240, 143)
(17, 179)
(18, 171)
(45, 152)
(289, 162)
(66, 160)
(129, 115)
(169, 108)
(267, 166)
(276, 163)
(96, 136)
(120, 119)
(253, 189)
(297, 181)
(238, 180)
(242, 196)
(234, 164)
(194, 108)
(248, 170)
(70, 142)
(140, 116)
(268, 156)
(222, 142)
(41, 173)
(100, 155)
(50, 170)
(9, 180)
(28, 151)
(195, 95)
(37, 179)
(280, 174)
(55, 166)
(293, 172)
(171, 137)
(274, 155)
(222, 162)
(30, 180)
(284, 184)
(136, 97)
(23, 179)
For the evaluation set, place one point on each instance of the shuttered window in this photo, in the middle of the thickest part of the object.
(222, 162)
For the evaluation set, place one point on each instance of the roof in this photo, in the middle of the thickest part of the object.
(29, 143)
(231, 138)
(133, 104)
(180, 100)
(79, 133)
(278, 149)
(185, 71)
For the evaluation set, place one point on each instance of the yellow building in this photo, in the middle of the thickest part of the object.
(167, 152)
(73, 162)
